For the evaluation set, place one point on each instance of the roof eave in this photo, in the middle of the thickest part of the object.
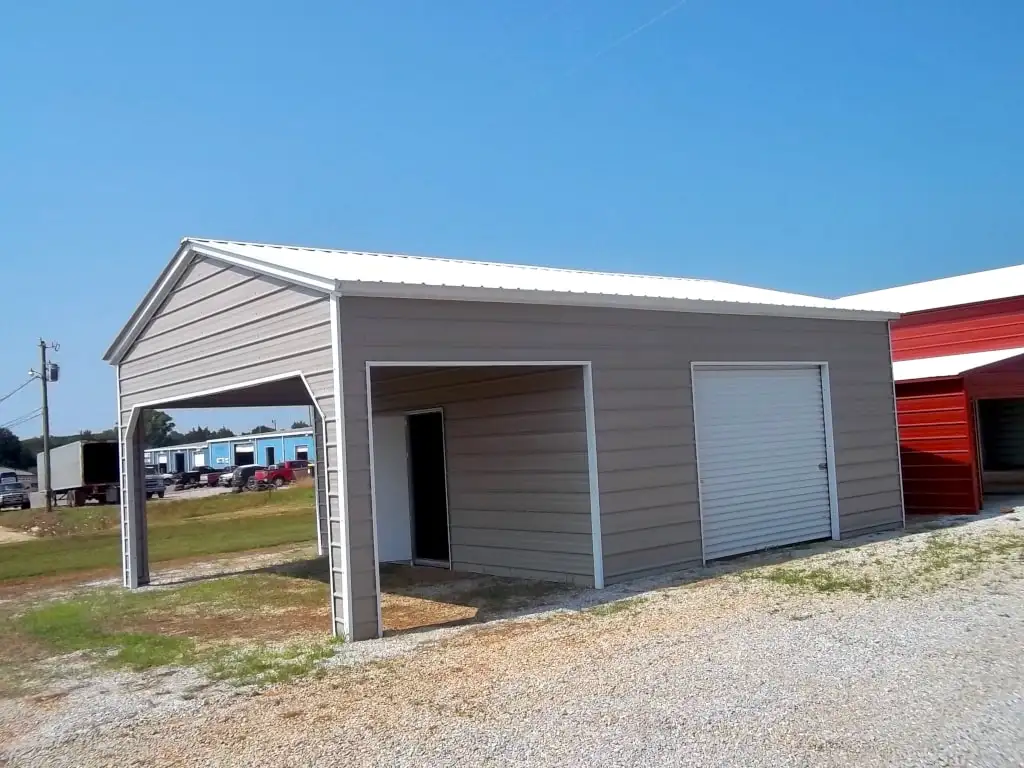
(561, 298)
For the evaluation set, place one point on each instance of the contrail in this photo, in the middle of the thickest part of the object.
(631, 34)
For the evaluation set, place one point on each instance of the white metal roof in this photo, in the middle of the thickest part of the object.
(950, 365)
(991, 284)
(263, 435)
(352, 268)
(357, 273)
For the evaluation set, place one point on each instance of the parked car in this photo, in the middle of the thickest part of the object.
(242, 477)
(155, 486)
(13, 495)
(190, 478)
(227, 476)
(281, 473)
(213, 475)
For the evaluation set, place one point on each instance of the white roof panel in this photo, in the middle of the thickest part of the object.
(992, 284)
(950, 365)
(350, 268)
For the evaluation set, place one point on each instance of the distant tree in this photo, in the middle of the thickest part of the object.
(158, 429)
(299, 425)
(222, 432)
(197, 435)
(260, 430)
(11, 453)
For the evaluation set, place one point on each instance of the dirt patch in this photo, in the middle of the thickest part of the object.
(7, 536)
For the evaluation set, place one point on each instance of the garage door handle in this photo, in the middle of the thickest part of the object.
(823, 465)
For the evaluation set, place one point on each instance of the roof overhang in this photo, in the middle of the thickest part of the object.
(950, 366)
(189, 250)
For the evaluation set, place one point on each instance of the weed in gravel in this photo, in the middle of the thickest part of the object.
(266, 665)
(629, 605)
(825, 580)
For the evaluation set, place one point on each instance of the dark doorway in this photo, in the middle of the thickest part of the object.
(179, 462)
(270, 455)
(428, 486)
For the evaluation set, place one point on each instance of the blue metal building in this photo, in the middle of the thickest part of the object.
(264, 449)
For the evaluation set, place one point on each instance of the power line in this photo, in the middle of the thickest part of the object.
(22, 419)
(16, 391)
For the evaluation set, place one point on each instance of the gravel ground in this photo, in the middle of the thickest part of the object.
(705, 669)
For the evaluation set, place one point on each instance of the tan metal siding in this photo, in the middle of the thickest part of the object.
(519, 504)
(644, 421)
(222, 326)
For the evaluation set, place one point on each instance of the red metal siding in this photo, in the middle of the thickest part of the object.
(957, 330)
(937, 447)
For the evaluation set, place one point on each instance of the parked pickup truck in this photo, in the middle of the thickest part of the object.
(280, 474)
(155, 486)
(189, 478)
(13, 495)
(212, 476)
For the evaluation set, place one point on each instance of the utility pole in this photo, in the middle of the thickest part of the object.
(47, 373)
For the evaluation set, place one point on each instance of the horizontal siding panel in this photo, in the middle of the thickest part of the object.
(650, 477)
(665, 557)
(654, 517)
(512, 558)
(536, 541)
(555, 521)
(518, 482)
(681, 457)
(687, 533)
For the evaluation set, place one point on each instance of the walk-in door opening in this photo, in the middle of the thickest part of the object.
(999, 426)
(428, 487)
(270, 456)
(179, 462)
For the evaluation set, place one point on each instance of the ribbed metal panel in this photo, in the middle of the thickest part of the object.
(762, 458)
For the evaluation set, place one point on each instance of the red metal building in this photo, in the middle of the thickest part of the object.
(958, 368)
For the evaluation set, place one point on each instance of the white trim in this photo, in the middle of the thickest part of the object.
(447, 500)
(228, 388)
(696, 452)
(341, 492)
(614, 301)
(473, 363)
(180, 262)
(597, 547)
(896, 424)
(826, 405)
(373, 498)
(830, 451)
(262, 267)
(317, 480)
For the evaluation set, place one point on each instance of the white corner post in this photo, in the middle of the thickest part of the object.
(595, 493)
(134, 540)
(337, 496)
(320, 481)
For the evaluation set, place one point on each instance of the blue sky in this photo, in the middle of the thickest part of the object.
(819, 147)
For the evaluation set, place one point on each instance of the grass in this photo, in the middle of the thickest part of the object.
(177, 530)
(944, 558)
(209, 624)
(64, 521)
(627, 605)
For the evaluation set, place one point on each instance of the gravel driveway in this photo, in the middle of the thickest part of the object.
(723, 671)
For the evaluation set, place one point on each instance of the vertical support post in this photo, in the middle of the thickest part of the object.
(134, 539)
(595, 493)
(339, 554)
(319, 464)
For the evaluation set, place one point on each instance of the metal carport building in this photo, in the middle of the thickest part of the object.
(521, 421)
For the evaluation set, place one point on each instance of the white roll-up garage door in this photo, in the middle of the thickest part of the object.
(762, 458)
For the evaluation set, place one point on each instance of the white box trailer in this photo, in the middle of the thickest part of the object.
(83, 470)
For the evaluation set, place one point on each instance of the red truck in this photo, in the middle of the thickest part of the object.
(281, 474)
